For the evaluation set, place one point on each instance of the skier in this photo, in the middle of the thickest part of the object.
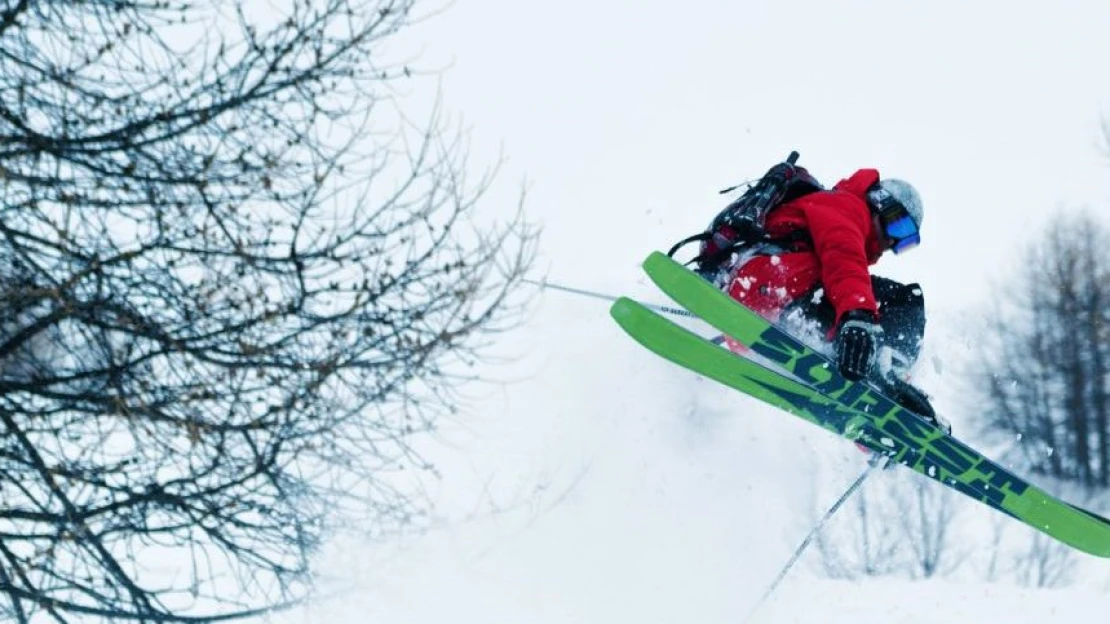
(812, 262)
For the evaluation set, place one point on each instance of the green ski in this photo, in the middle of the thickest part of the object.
(852, 410)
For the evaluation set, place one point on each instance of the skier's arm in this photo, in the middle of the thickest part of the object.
(839, 228)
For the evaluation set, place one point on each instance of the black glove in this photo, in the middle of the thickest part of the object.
(857, 343)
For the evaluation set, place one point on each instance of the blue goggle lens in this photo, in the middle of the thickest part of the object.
(902, 227)
(909, 242)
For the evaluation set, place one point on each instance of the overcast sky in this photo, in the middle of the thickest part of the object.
(625, 112)
(624, 118)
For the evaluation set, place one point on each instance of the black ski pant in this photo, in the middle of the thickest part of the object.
(901, 313)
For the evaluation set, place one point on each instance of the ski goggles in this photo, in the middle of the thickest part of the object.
(899, 226)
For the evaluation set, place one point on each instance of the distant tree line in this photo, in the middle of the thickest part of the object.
(1038, 387)
(1041, 376)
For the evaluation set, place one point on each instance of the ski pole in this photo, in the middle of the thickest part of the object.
(813, 533)
(589, 293)
(718, 339)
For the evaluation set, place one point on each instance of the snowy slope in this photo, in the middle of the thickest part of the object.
(886, 601)
(606, 485)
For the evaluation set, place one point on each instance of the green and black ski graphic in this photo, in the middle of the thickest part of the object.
(852, 410)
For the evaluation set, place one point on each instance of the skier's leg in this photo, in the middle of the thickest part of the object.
(901, 314)
(811, 314)
(902, 317)
(758, 284)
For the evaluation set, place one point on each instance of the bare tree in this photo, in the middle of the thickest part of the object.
(1044, 563)
(928, 513)
(994, 567)
(237, 282)
(902, 525)
(867, 542)
(1042, 374)
(1026, 557)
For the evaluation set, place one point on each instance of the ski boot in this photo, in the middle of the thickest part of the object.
(892, 373)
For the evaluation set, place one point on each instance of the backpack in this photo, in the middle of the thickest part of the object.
(741, 223)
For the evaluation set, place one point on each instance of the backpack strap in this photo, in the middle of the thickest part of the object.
(797, 240)
(700, 236)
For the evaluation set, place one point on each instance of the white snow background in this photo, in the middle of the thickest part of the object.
(592, 482)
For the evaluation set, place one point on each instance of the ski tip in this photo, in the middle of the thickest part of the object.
(656, 257)
(621, 308)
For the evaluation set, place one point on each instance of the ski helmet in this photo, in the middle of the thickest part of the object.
(900, 212)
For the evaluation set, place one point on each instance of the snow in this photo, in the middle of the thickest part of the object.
(611, 486)
(603, 485)
(448, 596)
(886, 601)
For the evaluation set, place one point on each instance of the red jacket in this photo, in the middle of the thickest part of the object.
(844, 245)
